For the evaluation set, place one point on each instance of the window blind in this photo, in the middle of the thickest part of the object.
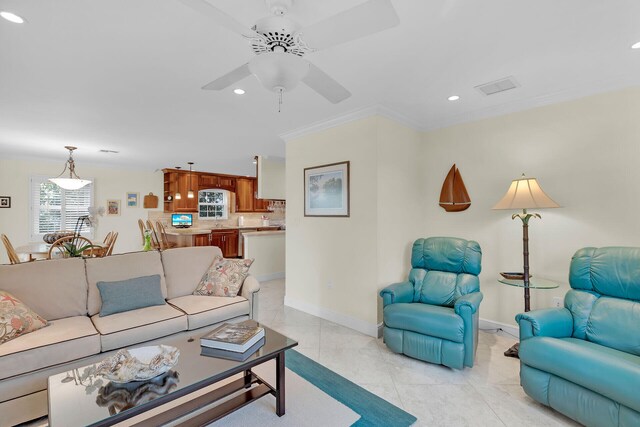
(54, 209)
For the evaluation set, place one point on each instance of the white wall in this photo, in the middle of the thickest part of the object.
(335, 266)
(109, 184)
(584, 154)
(267, 248)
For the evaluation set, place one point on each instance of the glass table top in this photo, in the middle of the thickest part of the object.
(534, 283)
(80, 398)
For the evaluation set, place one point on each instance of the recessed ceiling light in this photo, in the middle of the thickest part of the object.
(12, 17)
(238, 91)
(453, 98)
(636, 46)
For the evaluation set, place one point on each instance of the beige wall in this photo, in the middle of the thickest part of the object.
(336, 265)
(584, 154)
(109, 184)
(267, 248)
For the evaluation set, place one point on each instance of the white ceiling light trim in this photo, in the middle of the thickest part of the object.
(453, 98)
(12, 17)
(239, 91)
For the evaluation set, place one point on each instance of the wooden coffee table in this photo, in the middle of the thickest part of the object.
(79, 398)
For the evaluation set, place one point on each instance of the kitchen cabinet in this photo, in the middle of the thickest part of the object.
(180, 182)
(208, 181)
(202, 239)
(227, 241)
(244, 194)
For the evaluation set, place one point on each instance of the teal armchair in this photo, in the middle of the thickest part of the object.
(584, 359)
(433, 316)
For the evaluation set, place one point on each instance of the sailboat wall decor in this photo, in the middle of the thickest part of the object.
(454, 196)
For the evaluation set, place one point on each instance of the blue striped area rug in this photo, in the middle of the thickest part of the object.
(373, 410)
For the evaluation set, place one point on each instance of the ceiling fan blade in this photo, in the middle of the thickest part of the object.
(370, 17)
(219, 17)
(229, 78)
(326, 86)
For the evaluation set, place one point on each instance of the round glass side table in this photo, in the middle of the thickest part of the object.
(534, 283)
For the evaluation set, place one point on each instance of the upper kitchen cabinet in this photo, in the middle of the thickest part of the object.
(244, 194)
(178, 182)
(208, 181)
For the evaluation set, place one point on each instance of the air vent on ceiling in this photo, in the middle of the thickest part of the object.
(109, 151)
(498, 86)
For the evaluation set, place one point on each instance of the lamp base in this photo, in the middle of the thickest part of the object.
(513, 351)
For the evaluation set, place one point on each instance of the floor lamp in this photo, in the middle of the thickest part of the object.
(525, 193)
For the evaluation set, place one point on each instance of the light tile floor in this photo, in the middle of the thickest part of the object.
(489, 394)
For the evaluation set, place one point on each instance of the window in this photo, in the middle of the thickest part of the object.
(212, 204)
(54, 209)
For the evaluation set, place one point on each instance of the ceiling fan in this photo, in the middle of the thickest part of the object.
(280, 44)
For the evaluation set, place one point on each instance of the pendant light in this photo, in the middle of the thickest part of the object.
(178, 196)
(190, 192)
(73, 182)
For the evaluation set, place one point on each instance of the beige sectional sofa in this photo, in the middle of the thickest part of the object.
(64, 292)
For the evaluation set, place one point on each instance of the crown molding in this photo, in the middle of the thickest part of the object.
(351, 116)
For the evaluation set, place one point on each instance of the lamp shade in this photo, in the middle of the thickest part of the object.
(525, 193)
(70, 183)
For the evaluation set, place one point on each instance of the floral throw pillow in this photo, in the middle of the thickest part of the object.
(224, 277)
(16, 318)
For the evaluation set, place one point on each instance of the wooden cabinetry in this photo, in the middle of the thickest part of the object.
(244, 194)
(227, 241)
(208, 181)
(202, 239)
(176, 181)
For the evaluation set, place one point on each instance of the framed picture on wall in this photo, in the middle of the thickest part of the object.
(5, 201)
(326, 190)
(113, 207)
(132, 199)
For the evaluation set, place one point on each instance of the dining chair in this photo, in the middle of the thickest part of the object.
(60, 248)
(112, 242)
(142, 227)
(164, 240)
(13, 256)
(154, 236)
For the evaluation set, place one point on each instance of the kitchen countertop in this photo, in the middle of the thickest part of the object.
(263, 233)
(192, 231)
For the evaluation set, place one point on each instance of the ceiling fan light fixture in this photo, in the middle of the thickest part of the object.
(12, 17)
(278, 71)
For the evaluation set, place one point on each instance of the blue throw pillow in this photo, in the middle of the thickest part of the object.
(130, 294)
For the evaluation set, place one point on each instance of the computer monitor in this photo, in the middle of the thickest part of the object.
(182, 220)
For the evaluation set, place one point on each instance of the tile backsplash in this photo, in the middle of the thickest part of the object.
(250, 219)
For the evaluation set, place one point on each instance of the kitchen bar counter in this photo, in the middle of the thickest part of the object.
(193, 231)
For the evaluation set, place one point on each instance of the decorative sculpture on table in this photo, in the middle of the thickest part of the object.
(454, 196)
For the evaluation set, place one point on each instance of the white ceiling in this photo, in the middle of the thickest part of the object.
(126, 74)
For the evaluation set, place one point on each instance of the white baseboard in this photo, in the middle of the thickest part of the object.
(271, 276)
(492, 324)
(359, 325)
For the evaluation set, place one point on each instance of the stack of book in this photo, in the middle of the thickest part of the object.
(235, 341)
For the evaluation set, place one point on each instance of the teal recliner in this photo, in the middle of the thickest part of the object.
(584, 359)
(433, 316)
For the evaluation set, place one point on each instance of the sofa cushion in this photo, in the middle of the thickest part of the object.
(136, 326)
(612, 271)
(612, 373)
(16, 318)
(62, 341)
(34, 283)
(224, 277)
(614, 323)
(130, 294)
(207, 310)
(121, 267)
(432, 320)
(184, 268)
(447, 254)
